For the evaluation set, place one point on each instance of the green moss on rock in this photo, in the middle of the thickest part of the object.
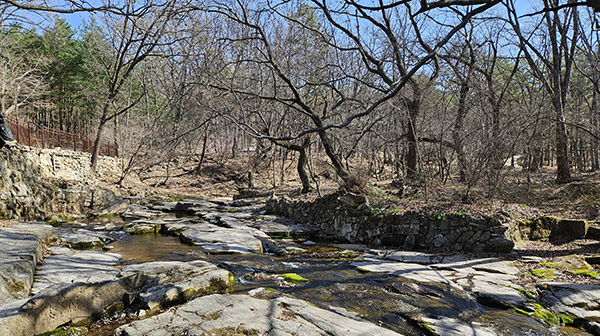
(293, 278)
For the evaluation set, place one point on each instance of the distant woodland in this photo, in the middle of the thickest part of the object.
(418, 90)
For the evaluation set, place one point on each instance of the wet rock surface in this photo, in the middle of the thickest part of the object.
(226, 314)
(83, 238)
(169, 281)
(22, 248)
(345, 288)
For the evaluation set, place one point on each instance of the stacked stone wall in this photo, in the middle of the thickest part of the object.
(37, 183)
(335, 220)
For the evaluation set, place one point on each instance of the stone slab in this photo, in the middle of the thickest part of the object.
(455, 327)
(226, 314)
(66, 266)
(406, 270)
(82, 238)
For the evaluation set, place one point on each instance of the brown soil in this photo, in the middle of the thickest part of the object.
(517, 193)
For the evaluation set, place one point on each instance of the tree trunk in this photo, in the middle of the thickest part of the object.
(201, 161)
(457, 131)
(302, 160)
(412, 159)
(594, 122)
(335, 161)
(563, 172)
(96, 148)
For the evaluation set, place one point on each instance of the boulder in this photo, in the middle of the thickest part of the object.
(499, 244)
(572, 228)
(593, 232)
(192, 206)
(102, 197)
(62, 303)
(143, 226)
(172, 281)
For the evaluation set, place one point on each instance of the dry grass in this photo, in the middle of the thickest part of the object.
(517, 193)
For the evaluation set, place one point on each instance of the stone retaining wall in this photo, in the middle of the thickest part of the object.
(36, 183)
(336, 220)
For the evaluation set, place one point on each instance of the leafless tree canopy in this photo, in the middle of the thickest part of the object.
(415, 90)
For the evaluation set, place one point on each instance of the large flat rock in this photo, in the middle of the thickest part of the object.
(490, 279)
(219, 239)
(455, 327)
(22, 247)
(83, 238)
(192, 206)
(406, 270)
(227, 314)
(62, 303)
(578, 300)
(66, 266)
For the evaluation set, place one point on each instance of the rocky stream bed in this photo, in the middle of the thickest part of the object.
(224, 267)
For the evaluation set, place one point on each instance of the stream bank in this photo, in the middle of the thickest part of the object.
(115, 288)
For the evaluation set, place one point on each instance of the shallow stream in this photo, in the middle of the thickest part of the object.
(393, 302)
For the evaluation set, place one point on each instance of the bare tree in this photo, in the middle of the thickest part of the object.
(135, 35)
(370, 49)
(552, 65)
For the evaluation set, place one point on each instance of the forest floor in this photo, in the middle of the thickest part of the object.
(517, 192)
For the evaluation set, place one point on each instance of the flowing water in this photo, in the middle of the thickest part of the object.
(392, 302)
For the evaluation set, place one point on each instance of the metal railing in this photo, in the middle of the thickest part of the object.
(39, 136)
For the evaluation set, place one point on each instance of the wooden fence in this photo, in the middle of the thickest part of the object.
(39, 136)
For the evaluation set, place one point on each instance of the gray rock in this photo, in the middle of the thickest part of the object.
(165, 206)
(490, 265)
(409, 242)
(456, 327)
(234, 313)
(142, 213)
(143, 226)
(274, 229)
(21, 251)
(499, 244)
(116, 207)
(102, 197)
(488, 278)
(579, 300)
(413, 257)
(192, 206)
(406, 270)
(493, 293)
(219, 239)
(62, 303)
(82, 238)
(66, 266)
(439, 240)
(170, 281)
